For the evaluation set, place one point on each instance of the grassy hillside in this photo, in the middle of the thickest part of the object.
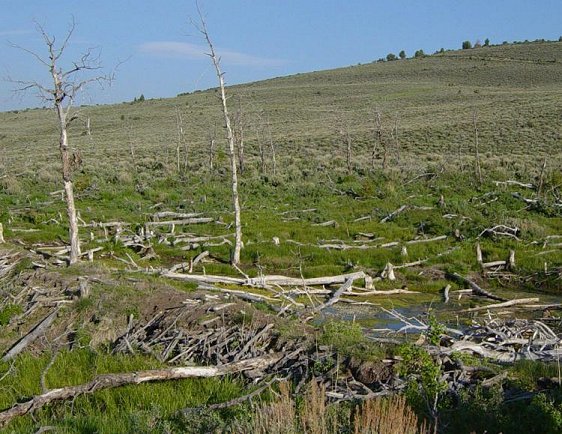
(515, 90)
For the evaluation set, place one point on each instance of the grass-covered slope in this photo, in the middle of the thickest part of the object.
(515, 90)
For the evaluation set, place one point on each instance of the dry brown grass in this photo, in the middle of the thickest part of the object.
(277, 417)
(315, 416)
(387, 416)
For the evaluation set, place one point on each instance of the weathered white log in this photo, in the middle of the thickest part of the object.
(328, 223)
(360, 219)
(189, 221)
(494, 264)
(381, 292)
(244, 295)
(105, 224)
(517, 183)
(394, 213)
(110, 381)
(427, 240)
(334, 299)
(264, 281)
(411, 264)
(175, 215)
(479, 254)
(2, 234)
(505, 304)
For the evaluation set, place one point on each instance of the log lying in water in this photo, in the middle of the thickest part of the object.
(504, 304)
(475, 288)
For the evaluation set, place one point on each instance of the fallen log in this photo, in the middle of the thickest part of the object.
(268, 280)
(334, 299)
(175, 215)
(517, 183)
(110, 381)
(37, 331)
(382, 292)
(505, 304)
(328, 223)
(248, 296)
(189, 221)
(475, 288)
(394, 214)
(427, 240)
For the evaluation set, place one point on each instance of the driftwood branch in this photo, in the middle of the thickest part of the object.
(110, 381)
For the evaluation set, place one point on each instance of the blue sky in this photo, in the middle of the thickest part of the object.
(257, 39)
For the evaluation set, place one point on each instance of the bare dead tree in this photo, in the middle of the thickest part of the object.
(131, 139)
(66, 85)
(272, 147)
(181, 139)
(202, 27)
(396, 141)
(88, 129)
(239, 125)
(541, 179)
(377, 142)
(342, 128)
(476, 146)
(258, 128)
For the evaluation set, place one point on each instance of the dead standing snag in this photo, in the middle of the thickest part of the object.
(202, 27)
(62, 93)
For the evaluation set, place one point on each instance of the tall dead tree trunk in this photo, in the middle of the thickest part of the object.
(396, 141)
(66, 169)
(348, 153)
(541, 179)
(377, 138)
(345, 138)
(64, 89)
(272, 148)
(231, 145)
(258, 127)
(476, 147)
(181, 138)
(239, 135)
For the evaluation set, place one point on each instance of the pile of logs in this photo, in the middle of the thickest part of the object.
(502, 341)
(508, 341)
(219, 334)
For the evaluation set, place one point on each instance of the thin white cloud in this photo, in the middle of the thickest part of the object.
(186, 50)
